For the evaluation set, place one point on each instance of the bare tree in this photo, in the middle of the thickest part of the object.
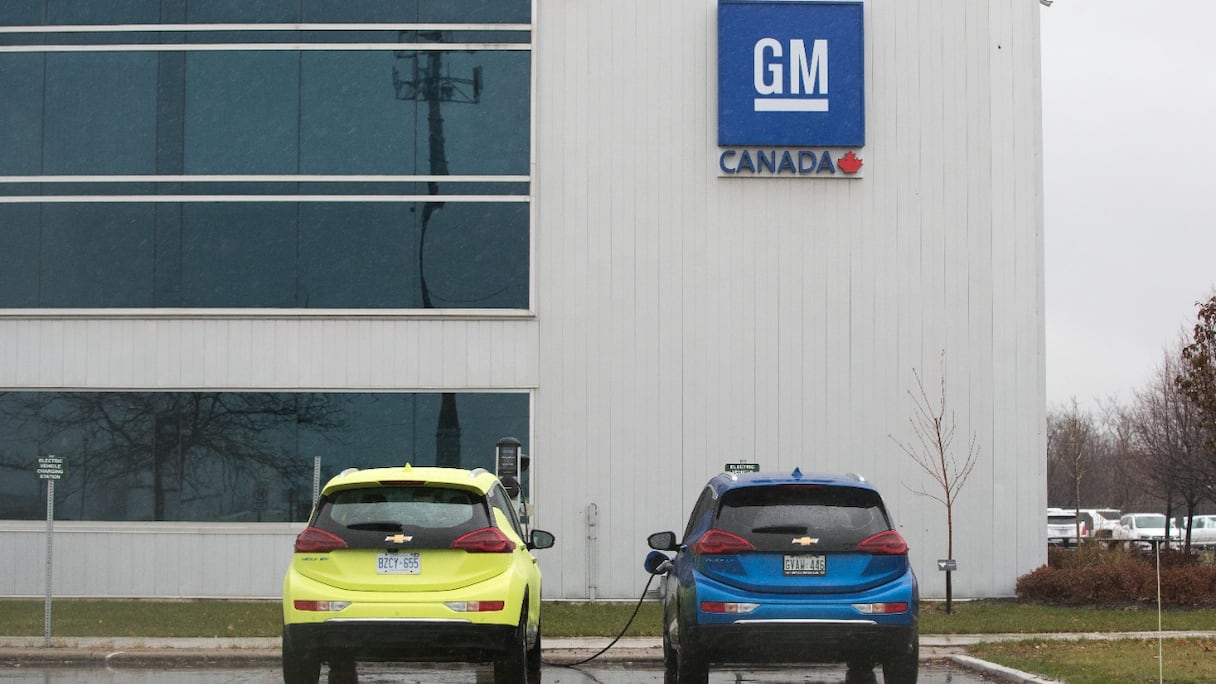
(933, 428)
(1071, 438)
(1167, 431)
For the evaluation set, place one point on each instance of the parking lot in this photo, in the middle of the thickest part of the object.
(614, 673)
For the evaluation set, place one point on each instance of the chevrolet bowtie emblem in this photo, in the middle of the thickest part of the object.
(398, 538)
(805, 541)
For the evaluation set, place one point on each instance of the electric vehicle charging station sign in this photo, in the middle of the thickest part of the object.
(791, 74)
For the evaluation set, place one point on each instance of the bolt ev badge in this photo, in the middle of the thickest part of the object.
(398, 538)
(805, 541)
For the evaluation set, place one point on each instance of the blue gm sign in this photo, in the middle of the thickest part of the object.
(791, 73)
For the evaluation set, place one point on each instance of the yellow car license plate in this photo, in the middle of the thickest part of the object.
(401, 563)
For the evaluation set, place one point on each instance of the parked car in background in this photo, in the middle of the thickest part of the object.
(1101, 522)
(1140, 527)
(787, 568)
(1203, 530)
(1062, 527)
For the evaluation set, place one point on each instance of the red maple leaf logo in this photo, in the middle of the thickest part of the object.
(849, 163)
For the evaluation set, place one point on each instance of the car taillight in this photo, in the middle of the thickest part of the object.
(888, 543)
(719, 542)
(475, 606)
(486, 540)
(881, 608)
(313, 540)
(321, 606)
(730, 608)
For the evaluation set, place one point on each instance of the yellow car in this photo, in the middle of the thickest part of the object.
(413, 564)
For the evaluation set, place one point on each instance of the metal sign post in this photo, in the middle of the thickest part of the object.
(316, 480)
(50, 468)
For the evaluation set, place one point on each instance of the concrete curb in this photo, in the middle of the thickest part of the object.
(1007, 674)
(261, 651)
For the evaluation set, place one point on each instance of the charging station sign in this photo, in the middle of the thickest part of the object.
(791, 73)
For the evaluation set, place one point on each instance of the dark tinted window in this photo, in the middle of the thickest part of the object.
(265, 254)
(264, 112)
(114, 117)
(839, 517)
(704, 503)
(34, 12)
(231, 456)
(432, 516)
(498, 499)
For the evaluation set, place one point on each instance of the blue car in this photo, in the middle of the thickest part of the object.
(787, 568)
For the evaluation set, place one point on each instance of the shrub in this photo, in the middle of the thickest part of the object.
(1097, 576)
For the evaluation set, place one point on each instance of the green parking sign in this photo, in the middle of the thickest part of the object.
(742, 467)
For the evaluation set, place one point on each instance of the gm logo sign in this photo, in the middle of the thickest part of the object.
(791, 73)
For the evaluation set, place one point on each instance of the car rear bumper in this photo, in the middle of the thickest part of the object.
(402, 640)
(801, 641)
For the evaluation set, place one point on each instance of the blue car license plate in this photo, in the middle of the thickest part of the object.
(806, 564)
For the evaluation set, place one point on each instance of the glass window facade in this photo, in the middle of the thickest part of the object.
(230, 456)
(218, 166)
(72, 12)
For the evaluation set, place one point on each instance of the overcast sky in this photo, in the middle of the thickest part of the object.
(1129, 164)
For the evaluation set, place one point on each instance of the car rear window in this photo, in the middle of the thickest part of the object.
(839, 517)
(1061, 520)
(435, 516)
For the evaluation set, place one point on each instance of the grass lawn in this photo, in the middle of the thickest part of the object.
(1101, 662)
(997, 616)
(1075, 662)
(220, 618)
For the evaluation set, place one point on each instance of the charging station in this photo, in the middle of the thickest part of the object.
(510, 463)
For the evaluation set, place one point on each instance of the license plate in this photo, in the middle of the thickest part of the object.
(402, 563)
(806, 564)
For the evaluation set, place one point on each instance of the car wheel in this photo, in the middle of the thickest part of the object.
(860, 670)
(534, 657)
(669, 660)
(691, 668)
(343, 672)
(902, 668)
(299, 666)
(512, 666)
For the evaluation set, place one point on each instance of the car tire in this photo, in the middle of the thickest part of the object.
(299, 665)
(669, 660)
(534, 662)
(691, 667)
(859, 670)
(343, 672)
(904, 667)
(512, 667)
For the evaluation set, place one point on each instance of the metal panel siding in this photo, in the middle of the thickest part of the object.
(786, 317)
(166, 560)
(168, 353)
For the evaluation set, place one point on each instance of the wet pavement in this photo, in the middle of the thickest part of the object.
(934, 672)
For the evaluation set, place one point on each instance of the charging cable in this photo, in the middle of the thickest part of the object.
(623, 629)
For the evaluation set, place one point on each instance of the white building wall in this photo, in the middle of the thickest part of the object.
(292, 351)
(689, 320)
(682, 320)
(155, 560)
